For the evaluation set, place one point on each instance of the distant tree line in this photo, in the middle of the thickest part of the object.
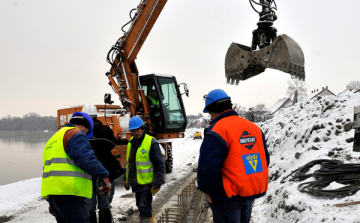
(255, 114)
(258, 112)
(29, 122)
(192, 120)
(296, 91)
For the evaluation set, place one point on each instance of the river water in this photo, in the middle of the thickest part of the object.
(21, 154)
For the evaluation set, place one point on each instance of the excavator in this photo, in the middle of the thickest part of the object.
(157, 98)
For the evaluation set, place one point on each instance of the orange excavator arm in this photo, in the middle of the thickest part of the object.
(241, 62)
(123, 75)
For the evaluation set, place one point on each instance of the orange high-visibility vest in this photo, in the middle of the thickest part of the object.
(244, 170)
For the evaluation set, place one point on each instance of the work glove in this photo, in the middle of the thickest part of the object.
(154, 190)
(126, 185)
(105, 187)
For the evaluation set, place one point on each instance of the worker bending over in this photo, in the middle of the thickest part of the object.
(68, 164)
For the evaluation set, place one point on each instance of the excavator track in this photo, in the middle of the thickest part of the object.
(282, 54)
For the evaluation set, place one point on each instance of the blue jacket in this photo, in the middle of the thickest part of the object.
(212, 154)
(79, 149)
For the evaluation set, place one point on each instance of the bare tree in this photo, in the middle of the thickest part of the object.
(296, 85)
(241, 110)
(260, 110)
(353, 85)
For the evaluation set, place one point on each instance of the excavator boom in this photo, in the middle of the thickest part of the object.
(156, 98)
(123, 75)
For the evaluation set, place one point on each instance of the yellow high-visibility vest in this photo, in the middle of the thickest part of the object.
(155, 102)
(60, 174)
(144, 167)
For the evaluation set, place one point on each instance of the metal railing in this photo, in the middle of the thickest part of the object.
(191, 203)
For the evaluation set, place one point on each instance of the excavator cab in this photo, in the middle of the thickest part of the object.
(165, 102)
(267, 50)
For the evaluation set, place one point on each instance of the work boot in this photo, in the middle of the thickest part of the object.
(104, 215)
(93, 217)
(145, 220)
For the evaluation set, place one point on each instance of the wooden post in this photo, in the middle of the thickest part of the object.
(346, 204)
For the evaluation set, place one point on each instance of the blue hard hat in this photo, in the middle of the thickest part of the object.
(214, 96)
(87, 117)
(135, 123)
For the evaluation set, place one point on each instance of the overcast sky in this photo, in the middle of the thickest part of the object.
(53, 53)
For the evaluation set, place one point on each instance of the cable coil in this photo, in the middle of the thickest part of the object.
(330, 171)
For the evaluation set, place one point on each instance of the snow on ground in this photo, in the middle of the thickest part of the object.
(21, 201)
(185, 154)
(313, 129)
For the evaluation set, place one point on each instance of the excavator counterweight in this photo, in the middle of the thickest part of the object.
(282, 54)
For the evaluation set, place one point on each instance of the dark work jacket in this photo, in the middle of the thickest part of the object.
(103, 131)
(102, 144)
(158, 165)
(79, 150)
(212, 154)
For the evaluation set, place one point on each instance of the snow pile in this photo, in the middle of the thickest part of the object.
(319, 128)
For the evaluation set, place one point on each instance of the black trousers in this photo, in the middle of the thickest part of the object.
(143, 202)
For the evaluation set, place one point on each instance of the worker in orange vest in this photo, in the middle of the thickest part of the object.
(233, 161)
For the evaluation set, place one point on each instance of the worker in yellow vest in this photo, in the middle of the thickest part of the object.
(153, 99)
(145, 168)
(68, 166)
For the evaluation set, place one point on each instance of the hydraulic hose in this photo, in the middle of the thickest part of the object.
(330, 171)
(301, 174)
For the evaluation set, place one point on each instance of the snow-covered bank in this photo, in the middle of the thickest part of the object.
(21, 201)
(312, 129)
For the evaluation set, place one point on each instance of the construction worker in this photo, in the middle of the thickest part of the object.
(68, 164)
(233, 161)
(251, 115)
(155, 112)
(102, 143)
(153, 99)
(144, 168)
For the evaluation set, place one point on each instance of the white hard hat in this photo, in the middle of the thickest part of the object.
(90, 109)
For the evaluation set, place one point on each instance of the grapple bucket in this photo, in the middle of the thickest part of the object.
(282, 54)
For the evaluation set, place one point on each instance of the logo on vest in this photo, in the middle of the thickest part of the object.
(143, 151)
(50, 145)
(252, 163)
(247, 140)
